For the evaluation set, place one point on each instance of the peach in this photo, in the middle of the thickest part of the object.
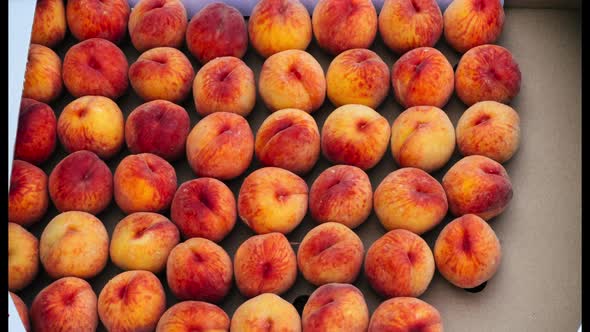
(67, 304)
(162, 73)
(81, 182)
(399, 263)
(144, 183)
(193, 316)
(198, 269)
(329, 253)
(204, 207)
(132, 301)
(217, 30)
(86, 73)
(408, 24)
(467, 252)
(266, 312)
(357, 76)
(272, 199)
(224, 84)
(92, 123)
(336, 307)
(411, 199)
(422, 137)
(355, 135)
(265, 264)
(341, 194)
(74, 244)
(143, 241)
(477, 185)
(422, 77)
(220, 146)
(340, 25)
(49, 23)
(279, 25)
(292, 79)
(489, 129)
(487, 72)
(36, 133)
(23, 311)
(42, 75)
(470, 23)
(289, 139)
(157, 23)
(405, 314)
(28, 199)
(23, 257)
(98, 19)
(158, 127)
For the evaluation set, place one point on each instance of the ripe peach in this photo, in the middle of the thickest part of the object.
(422, 77)
(411, 199)
(336, 307)
(489, 129)
(487, 72)
(266, 312)
(408, 24)
(279, 25)
(330, 252)
(27, 197)
(74, 244)
(220, 146)
(265, 264)
(224, 84)
(470, 23)
(36, 133)
(289, 139)
(98, 19)
(341, 194)
(144, 183)
(340, 25)
(204, 207)
(405, 314)
(477, 185)
(157, 23)
(49, 23)
(399, 263)
(199, 269)
(23, 257)
(193, 316)
(132, 301)
(357, 76)
(422, 137)
(162, 73)
(217, 30)
(23, 311)
(467, 251)
(42, 75)
(143, 241)
(272, 199)
(86, 73)
(355, 135)
(92, 123)
(81, 182)
(292, 79)
(67, 304)
(159, 127)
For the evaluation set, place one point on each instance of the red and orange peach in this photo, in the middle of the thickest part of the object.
(98, 19)
(49, 23)
(405, 314)
(193, 316)
(157, 23)
(23, 257)
(266, 312)
(28, 198)
(22, 310)
(36, 133)
(43, 80)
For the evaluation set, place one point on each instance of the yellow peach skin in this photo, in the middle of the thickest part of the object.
(23, 257)
(157, 23)
(49, 23)
(266, 312)
(357, 76)
(93, 123)
(279, 25)
(405, 314)
(292, 79)
(43, 74)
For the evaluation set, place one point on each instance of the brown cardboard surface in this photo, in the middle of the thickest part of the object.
(538, 285)
(555, 4)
